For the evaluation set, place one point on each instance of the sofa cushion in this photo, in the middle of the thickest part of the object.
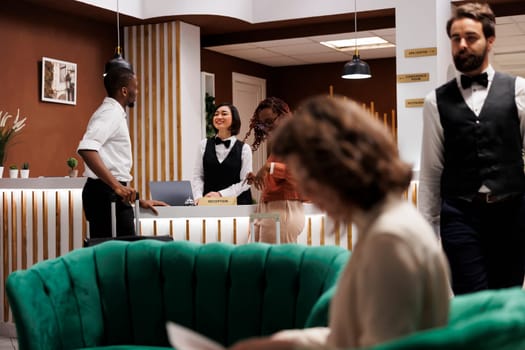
(120, 293)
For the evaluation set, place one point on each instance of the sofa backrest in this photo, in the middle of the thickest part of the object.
(123, 293)
(487, 320)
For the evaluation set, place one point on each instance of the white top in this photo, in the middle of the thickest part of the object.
(197, 182)
(429, 197)
(108, 134)
(395, 283)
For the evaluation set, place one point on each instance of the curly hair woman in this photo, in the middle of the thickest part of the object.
(279, 193)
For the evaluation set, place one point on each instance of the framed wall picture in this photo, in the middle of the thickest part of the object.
(59, 81)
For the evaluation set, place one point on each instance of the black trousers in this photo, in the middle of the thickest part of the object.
(484, 243)
(96, 200)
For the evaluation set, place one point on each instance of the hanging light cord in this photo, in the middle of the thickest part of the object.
(118, 30)
(355, 26)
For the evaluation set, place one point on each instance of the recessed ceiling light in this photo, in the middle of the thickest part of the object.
(374, 42)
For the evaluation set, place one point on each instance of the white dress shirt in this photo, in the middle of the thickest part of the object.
(108, 134)
(429, 198)
(197, 182)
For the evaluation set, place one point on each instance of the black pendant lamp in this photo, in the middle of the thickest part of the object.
(356, 68)
(117, 61)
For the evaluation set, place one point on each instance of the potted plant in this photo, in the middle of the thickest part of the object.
(24, 172)
(7, 132)
(210, 109)
(13, 171)
(72, 163)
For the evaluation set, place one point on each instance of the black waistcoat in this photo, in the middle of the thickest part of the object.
(218, 176)
(481, 150)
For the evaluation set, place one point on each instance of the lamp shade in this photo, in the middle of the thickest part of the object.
(356, 69)
(117, 62)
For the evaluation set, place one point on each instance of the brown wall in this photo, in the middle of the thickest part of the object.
(52, 130)
(298, 82)
(223, 66)
(294, 83)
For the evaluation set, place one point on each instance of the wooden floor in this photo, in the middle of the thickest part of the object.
(8, 343)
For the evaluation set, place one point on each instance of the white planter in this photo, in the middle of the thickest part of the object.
(24, 173)
(13, 173)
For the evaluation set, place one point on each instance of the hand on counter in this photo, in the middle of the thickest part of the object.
(150, 204)
(213, 194)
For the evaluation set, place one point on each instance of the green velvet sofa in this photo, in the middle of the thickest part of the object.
(119, 295)
(487, 320)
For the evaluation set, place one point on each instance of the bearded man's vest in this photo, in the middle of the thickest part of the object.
(218, 176)
(484, 150)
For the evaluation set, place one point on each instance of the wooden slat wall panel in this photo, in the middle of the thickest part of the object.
(58, 225)
(154, 52)
(5, 251)
(178, 96)
(23, 205)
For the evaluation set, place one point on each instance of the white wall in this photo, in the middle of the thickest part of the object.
(191, 101)
(414, 30)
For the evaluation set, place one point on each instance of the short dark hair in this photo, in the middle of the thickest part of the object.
(236, 118)
(478, 12)
(117, 78)
(343, 147)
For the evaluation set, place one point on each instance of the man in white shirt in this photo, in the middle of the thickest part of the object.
(106, 150)
(472, 181)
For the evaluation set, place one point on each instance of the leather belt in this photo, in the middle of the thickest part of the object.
(490, 198)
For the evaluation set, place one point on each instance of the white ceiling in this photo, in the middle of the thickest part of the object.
(509, 52)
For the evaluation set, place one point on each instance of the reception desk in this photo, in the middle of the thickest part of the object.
(42, 218)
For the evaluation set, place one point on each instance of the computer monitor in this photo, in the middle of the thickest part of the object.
(171, 192)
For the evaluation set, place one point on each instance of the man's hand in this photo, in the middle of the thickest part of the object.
(151, 204)
(127, 194)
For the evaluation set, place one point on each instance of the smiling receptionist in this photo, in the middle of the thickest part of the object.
(223, 161)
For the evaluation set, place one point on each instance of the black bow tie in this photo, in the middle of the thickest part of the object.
(481, 79)
(226, 143)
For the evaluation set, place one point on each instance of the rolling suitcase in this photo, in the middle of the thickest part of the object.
(88, 242)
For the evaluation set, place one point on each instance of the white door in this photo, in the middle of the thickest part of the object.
(248, 91)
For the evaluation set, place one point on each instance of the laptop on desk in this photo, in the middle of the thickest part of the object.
(171, 192)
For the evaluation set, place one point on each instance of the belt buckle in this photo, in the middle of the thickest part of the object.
(490, 198)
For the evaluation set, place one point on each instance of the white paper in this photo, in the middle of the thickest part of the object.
(183, 338)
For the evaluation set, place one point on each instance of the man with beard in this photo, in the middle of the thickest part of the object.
(106, 150)
(472, 181)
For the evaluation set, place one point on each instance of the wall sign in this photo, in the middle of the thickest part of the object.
(411, 78)
(414, 102)
(218, 201)
(423, 51)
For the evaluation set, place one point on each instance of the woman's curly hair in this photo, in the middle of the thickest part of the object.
(278, 106)
(343, 147)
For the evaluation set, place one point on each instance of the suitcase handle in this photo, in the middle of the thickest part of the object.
(113, 198)
(114, 214)
(137, 214)
(271, 215)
